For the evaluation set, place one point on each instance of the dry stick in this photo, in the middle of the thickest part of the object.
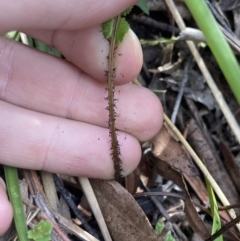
(219, 98)
(224, 228)
(217, 94)
(181, 90)
(73, 228)
(66, 195)
(89, 193)
(158, 204)
(111, 106)
(219, 18)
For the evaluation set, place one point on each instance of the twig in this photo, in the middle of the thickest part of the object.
(155, 24)
(171, 194)
(224, 228)
(157, 204)
(88, 191)
(73, 228)
(66, 195)
(181, 91)
(50, 190)
(218, 17)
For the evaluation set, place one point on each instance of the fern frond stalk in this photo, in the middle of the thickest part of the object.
(111, 105)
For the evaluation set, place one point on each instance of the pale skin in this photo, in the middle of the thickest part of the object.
(52, 112)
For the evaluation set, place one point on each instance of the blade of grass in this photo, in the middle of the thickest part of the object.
(214, 210)
(16, 201)
(14, 35)
(217, 43)
(46, 48)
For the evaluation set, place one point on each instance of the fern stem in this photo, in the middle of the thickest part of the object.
(111, 105)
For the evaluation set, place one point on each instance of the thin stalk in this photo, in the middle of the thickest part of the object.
(93, 202)
(16, 200)
(111, 105)
(217, 43)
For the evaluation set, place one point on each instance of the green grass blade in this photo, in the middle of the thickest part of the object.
(214, 210)
(16, 200)
(14, 35)
(45, 48)
(217, 43)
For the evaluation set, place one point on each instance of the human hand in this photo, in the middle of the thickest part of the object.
(52, 111)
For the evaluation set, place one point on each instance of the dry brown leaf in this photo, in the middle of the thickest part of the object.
(165, 170)
(213, 163)
(132, 181)
(166, 148)
(193, 218)
(230, 164)
(124, 218)
(198, 186)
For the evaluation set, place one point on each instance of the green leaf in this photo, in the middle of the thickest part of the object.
(41, 231)
(169, 237)
(123, 27)
(107, 29)
(214, 210)
(159, 227)
(126, 12)
(142, 4)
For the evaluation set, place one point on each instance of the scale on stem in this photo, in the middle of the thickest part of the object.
(114, 31)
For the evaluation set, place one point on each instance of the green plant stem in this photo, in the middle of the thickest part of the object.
(217, 43)
(16, 200)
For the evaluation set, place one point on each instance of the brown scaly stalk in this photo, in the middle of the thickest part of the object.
(111, 103)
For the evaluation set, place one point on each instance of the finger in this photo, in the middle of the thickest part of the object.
(37, 141)
(6, 212)
(61, 14)
(40, 82)
(88, 50)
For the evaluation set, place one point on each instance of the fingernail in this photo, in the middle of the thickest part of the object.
(3, 183)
